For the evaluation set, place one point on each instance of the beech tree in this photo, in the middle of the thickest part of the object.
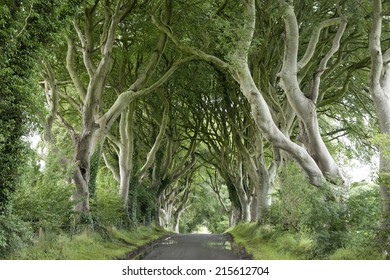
(316, 160)
(239, 153)
(91, 45)
(380, 92)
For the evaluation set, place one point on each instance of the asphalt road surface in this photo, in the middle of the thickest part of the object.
(192, 247)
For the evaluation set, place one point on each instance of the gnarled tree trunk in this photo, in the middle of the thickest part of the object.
(380, 92)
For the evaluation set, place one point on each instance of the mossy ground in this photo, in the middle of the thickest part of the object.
(89, 245)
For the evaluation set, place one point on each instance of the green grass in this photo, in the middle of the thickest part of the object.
(264, 243)
(267, 243)
(89, 245)
(357, 253)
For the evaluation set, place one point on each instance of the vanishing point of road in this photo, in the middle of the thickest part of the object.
(193, 247)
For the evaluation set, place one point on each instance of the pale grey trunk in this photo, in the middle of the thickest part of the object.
(162, 218)
(165, 212)
(380, 91)
(234, 216)
(263, 195)
(85, 146)
(305, 106)
(176, 221)
(264, 121)
(243, 196)
(126, 148)
(255, 205)
(246, 210)
(124, 171)
(265, 201)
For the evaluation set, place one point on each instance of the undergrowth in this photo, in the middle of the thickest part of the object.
(265, 242)
(88, 245)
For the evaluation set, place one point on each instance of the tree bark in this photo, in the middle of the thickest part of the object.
(126, 149)
(239, 69)
(380, 92)
(244, 197)
(182, 205)
(305, 107)
(264, 121)
(95, 123)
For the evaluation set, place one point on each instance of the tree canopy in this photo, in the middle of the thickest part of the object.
(190, 113)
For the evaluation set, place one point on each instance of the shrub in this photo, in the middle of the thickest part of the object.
(297, 243)
(14, 234)
(46, 207)
(43, 197)
(107, 207)
(300, 207)
(364, 206)
(356, 253)
(361, 245)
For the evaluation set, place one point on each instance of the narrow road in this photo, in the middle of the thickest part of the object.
(193, 247)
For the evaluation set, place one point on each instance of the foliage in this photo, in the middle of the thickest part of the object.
(43, 200)
(205, 210)
(146, 205)
(268, 243)
(26, 27)
(363, 218)
(361, 245)
(89, 245)
(364, 206)
(300, 207)
(15, 234)
(345, 230)
(108, 208)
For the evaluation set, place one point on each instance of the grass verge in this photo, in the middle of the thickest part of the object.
(265, 243)
(89, 245)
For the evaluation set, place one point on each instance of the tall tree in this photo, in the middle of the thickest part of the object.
(91, 49)
(380, 92)
(236, 62)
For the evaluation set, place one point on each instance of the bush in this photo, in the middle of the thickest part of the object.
(357, 253)
(267, 242)
(107, 207)
(361, 245)
(14, 234)
(364, 215)
(299, 244)
(364, 206)
(45, 207)
(285, 242)
(43, 198)
(319, 212)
